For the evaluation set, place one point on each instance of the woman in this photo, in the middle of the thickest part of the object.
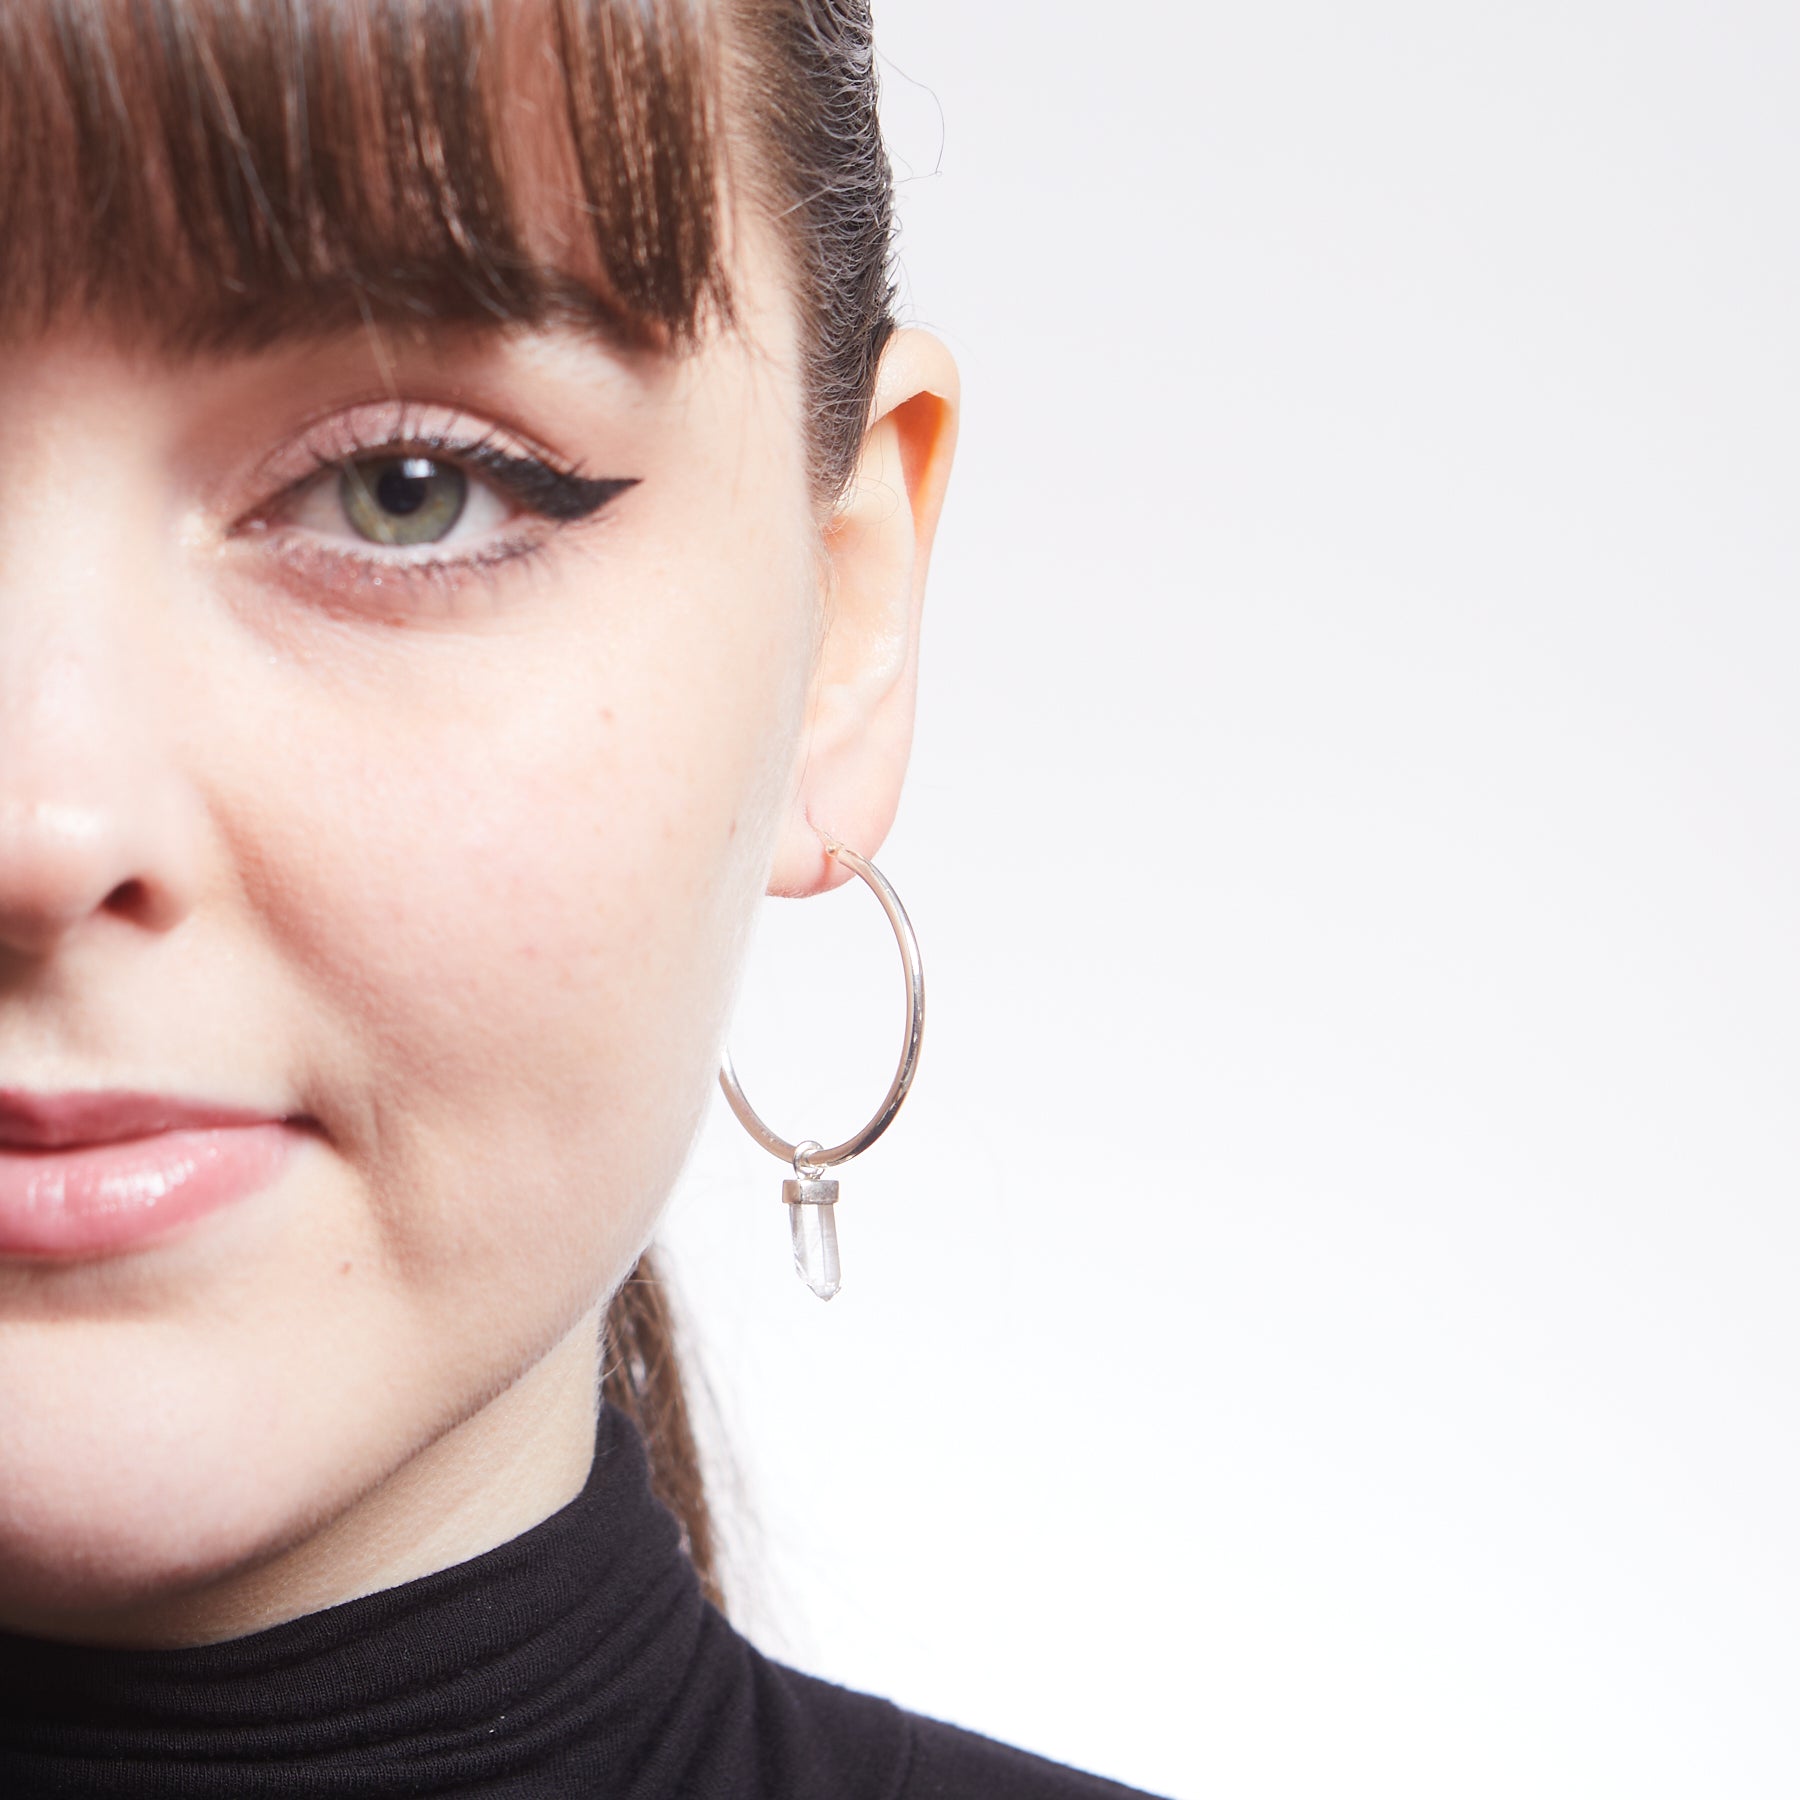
(468, 515)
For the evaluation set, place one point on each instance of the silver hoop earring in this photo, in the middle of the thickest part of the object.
(811, 1199)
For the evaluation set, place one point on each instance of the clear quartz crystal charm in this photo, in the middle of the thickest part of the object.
(812, 1216)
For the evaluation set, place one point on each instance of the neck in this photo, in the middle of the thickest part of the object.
(520, 1458)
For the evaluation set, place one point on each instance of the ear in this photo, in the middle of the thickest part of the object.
(877, 545)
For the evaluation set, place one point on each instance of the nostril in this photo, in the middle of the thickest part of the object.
(106, 857)
(130, 900)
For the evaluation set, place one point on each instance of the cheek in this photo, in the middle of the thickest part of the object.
(509, 901)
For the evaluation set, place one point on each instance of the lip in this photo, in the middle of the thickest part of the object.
(94, 1174)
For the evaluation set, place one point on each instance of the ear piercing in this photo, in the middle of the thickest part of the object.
(811, 1199)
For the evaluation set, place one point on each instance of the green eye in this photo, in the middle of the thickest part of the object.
(402, 499)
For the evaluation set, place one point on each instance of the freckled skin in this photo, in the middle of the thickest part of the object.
(459, 870)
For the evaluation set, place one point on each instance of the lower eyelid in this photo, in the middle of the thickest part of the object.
(328, 572)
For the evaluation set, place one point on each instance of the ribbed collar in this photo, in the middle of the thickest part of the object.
(582, 1631)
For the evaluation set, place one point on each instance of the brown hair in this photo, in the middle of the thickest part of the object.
(224, 174)
(641, 1375)
(220, 174)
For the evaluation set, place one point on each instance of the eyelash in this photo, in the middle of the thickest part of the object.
(555, 494)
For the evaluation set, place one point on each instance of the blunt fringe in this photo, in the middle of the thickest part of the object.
(224, 174)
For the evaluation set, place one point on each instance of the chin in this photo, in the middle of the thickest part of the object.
(129, 1478)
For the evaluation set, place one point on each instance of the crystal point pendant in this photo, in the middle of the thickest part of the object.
(812, 1217)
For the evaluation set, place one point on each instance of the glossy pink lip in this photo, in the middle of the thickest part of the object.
(89, 1174)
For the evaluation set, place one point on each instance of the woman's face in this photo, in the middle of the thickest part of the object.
(430, 858)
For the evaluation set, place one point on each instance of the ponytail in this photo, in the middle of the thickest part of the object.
(641, 1376)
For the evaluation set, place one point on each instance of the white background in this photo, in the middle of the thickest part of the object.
(1326, 1323)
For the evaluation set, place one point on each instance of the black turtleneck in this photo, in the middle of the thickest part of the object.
(578, 1660)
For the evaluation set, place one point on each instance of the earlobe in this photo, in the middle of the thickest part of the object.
(878, 546)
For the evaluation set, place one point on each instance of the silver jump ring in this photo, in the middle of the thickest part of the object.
(815, 1156)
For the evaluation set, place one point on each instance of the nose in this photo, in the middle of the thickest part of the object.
(91, 825)
(102, 825)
